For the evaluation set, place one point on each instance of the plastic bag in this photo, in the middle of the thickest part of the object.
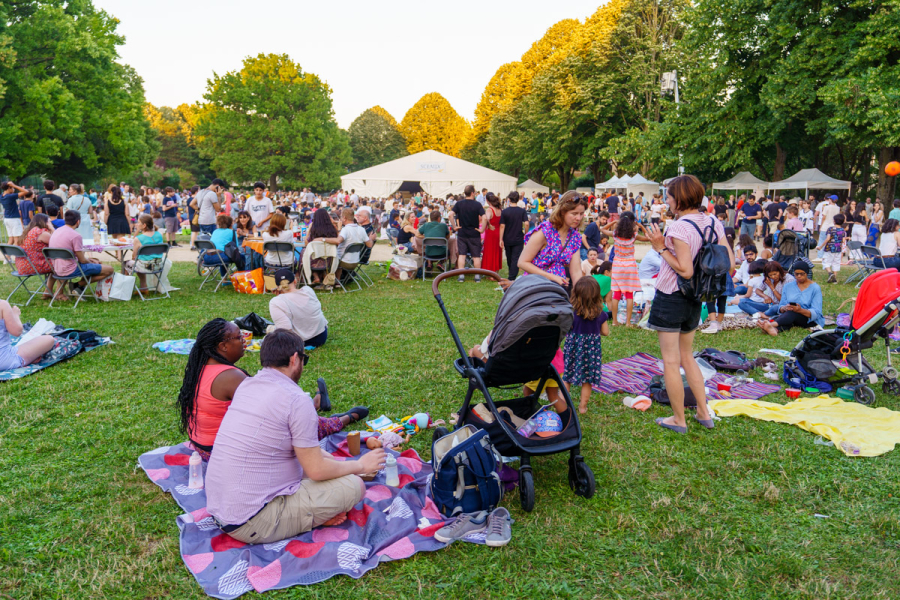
(248, 282)
(404, 266)
(103, 287)
(253, 322)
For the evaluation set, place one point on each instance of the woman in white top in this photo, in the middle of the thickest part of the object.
(298, 310)
(890, 238)
(277, 232)
(78, 201)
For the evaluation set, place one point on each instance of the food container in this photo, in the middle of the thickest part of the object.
(248, 338)
(723, 387)
(792, 393)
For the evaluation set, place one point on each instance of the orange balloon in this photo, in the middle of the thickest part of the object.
(892, 169)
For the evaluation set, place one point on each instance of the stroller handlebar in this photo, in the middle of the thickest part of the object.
(456, 272)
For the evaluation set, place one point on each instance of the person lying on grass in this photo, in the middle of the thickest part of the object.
(13, 357)
(211, 380)
(268, 479)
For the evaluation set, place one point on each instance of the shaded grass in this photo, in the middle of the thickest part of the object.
(721, 514)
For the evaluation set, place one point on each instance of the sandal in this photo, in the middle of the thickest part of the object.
(708, 423)
(357, 413)
(675, 428)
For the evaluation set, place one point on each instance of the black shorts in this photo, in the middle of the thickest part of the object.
(674, 313)
(469, 246)
(195, 228)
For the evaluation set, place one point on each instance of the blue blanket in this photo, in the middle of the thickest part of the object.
(63, 349)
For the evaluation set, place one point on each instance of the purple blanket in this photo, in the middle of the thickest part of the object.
(633, 374)
(389, 524)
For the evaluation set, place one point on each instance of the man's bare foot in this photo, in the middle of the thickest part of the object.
(317, 400)
(335, 520)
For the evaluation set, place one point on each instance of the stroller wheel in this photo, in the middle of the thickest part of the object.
(439, 432)
(864, 395)
(526, 489)
(891, 387)
(581, 479)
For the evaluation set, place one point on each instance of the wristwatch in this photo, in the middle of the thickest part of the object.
(664, 249)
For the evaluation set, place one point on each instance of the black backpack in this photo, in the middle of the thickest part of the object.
(711, 266)
(732, 360)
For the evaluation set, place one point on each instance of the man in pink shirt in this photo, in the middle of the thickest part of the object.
(267, 478)
(69, 238)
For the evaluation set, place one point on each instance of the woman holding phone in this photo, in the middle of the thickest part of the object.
(801, 303)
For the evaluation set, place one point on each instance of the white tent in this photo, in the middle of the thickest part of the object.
(437, 173)
(810, 179)
(744, 180)
(639, 183)
(529, 186)
(610, 184)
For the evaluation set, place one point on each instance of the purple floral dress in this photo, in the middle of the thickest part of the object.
(554, 257)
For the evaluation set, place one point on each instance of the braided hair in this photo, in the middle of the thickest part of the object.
(208, 339)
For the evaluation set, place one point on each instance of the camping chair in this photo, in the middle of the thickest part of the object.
(318, 249)
(351, 270)
(65, 254)
(213, 268)
(150, 250)
(443, 261)
(10, 254)
(279, 249)
(392, 233)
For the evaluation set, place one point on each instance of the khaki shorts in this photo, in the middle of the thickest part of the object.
(311, 505)
(773, 226)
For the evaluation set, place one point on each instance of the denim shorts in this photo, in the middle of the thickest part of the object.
(674, 313)
(91, 269)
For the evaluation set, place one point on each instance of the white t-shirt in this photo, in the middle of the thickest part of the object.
(300, 312)
(283, 259)
(259, 209)
(757, 285)
(352, 234)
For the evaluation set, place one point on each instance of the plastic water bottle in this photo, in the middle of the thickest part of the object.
(195, 470)
(104, 238)
(391, 475)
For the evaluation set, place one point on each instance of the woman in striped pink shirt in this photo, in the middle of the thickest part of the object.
(674, 316)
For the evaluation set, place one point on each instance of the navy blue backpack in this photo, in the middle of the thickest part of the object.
(466, 475)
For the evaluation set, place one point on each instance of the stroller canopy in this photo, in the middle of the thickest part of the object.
(531, 301)
(877, 291)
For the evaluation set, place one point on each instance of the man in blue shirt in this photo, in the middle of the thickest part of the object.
(170, 214)
(11, 218)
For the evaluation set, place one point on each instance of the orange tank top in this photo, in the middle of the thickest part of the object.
(209, 410)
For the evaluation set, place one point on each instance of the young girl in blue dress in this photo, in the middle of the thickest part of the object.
(582, 349)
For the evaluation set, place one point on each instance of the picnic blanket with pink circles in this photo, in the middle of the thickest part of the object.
(391, 523)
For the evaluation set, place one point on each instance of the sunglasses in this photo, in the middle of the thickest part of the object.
(304, 357)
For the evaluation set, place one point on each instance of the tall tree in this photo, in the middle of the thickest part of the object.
(177, 149)
(274, 121)
(67, 107)
(433, 124)
(375, 138)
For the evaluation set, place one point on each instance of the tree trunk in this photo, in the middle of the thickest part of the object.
(273, 182)
(780, 161)
(565, 177)
(887, 186)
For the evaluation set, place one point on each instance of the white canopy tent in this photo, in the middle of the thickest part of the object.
(437, 173)
(810, 179)
(639, 183)
(610, 184)
(526, 187)
(744, 180)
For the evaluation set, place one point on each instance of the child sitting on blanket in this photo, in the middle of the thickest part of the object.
(13, 357)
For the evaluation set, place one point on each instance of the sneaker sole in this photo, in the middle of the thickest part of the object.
(449, 540)
(495, 544)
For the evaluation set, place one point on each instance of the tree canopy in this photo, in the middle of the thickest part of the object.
(432, 124)
(177, 151)
(273, 120)
(67, 106)
(375, 138)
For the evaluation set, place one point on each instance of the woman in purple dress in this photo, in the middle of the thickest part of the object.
(552, 248)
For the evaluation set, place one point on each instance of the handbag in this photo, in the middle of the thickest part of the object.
(122, 287)
(233, 253)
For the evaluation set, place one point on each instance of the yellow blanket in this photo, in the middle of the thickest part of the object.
(855, 429)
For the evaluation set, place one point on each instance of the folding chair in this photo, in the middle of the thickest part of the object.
(858, 260)
(213, 268)
(52, 254)
(443, 259)
(151, 250)
(10, 254)
(351, 270)
(393, 232)
(318, 249)
(281, 250)
(870, 265)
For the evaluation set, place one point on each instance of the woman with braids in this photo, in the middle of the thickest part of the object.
(211, 379)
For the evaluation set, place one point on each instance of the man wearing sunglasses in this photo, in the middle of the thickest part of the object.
(268, 479)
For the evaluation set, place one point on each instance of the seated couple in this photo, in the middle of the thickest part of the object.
(14, 357)
(268, 479)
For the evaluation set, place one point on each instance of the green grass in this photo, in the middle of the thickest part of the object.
(714, 514)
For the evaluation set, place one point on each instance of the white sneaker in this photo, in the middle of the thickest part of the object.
(712, 328)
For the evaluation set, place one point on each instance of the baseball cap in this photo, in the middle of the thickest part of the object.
(283, 275)
(833, 197)
(549, 424)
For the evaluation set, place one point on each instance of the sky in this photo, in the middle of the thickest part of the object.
(389, 53)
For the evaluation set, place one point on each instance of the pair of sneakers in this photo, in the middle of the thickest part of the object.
(462, 279)
(496, 527)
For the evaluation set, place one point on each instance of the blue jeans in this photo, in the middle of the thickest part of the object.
(318, 340)
(822, 235)
(748, 227)
(752, 307)
(90, 269)
(208, 228)
(215, 260)
(740, 290)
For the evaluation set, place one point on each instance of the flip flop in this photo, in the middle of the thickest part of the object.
(324, 399)
(674, 428)
(708, 423)
(357, 413)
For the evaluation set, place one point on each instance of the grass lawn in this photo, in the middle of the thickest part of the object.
(714, 514)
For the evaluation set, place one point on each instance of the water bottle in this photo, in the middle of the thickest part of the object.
(391, 476)
(104, 238)
(195, 470)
